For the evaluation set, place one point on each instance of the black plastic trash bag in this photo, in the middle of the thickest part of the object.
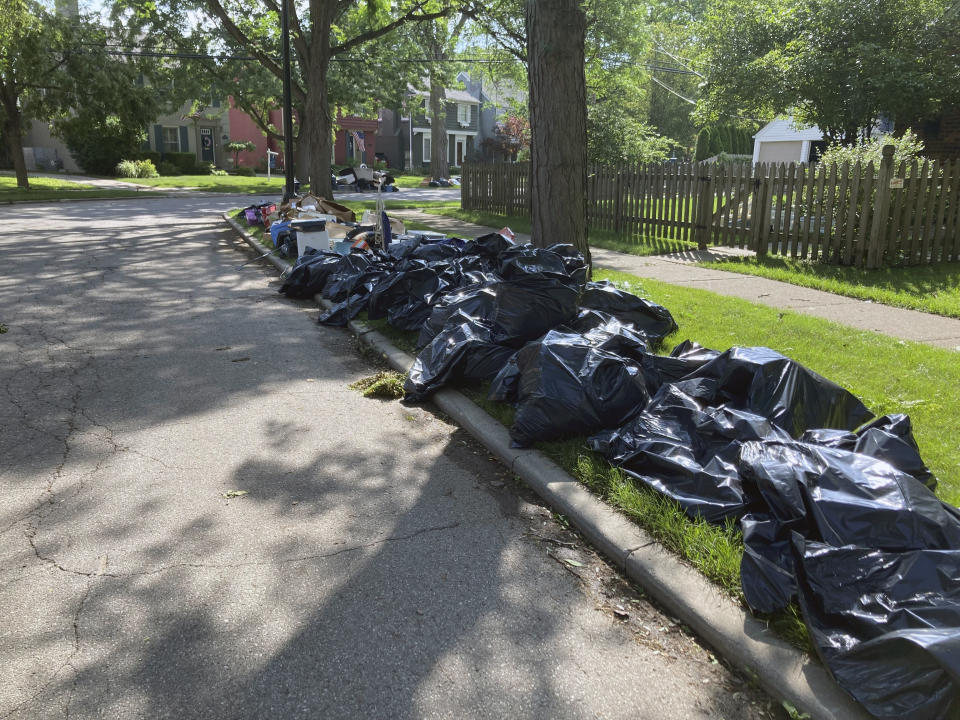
(683, 360)
(838, 497)
(310, 274)
(688, 451)
(887, 438)
(887, 624)
(767, 383)
(655, 321)
(419, 283)
(343, 312)
(568, 386)
(521, 260)
(464, 350)
(488, 246)
(516, 310)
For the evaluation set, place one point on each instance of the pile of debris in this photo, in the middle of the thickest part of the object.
(836, 506)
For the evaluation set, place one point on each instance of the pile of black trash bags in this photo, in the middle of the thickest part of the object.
(836, 506)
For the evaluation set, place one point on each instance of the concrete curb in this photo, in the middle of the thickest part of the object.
(782, 670)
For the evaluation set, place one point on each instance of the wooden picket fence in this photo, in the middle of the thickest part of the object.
(864, 216)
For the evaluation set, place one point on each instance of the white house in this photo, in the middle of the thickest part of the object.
(780, 141)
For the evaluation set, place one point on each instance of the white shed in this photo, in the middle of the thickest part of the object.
(780, 141)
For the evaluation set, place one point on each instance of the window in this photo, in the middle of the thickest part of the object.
(426, 148)
(463, 113)
(171, 139)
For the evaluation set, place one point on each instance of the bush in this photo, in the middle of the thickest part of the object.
(135, 169)
(244, 171)
(906, 148)
(185, 162)
(205, 168)
(126, 168)
(218, 172)
(99, 144)
(166, 169)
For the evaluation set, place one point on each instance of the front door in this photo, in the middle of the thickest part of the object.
(460, 142)
(206, 145)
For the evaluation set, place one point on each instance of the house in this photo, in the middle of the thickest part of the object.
(780, 141)
(243, 128)
(497, 99)
(355, 140)
(202, 130)
(404, 140)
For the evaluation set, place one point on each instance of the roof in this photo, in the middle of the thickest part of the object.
(783, 129)
(452, 95)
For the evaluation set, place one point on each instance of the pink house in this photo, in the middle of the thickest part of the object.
(242, 127)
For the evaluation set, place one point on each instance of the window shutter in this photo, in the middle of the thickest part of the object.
(184, 139)
(158, 135)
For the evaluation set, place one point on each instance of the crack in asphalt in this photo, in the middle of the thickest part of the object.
(252, 563)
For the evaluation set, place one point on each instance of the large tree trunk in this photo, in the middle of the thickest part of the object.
(316, 127)
(439, 167)
(14, 132)
(556, 30)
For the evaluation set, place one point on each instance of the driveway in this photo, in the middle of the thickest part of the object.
(201, 520)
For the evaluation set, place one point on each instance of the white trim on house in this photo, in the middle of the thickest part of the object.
(426, 152)
(449, 132)
(167, 144)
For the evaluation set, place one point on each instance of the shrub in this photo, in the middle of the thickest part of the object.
(151, 155)
(218, 172)
(135, 169)
(185, 162)
(167, 169)
(126, 168)
(906, 148)
(244, 171)
(205, 168)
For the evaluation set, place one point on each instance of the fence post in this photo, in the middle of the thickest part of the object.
(881, 208)
(704, 207)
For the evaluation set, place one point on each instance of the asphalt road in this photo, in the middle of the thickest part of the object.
(379, 564)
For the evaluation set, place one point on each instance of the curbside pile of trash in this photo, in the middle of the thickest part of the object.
(836, 506)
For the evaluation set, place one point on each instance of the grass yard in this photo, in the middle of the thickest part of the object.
(236, 184)
(929, 288)
(46, 188)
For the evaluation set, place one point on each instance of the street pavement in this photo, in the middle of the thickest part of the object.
(371, 562)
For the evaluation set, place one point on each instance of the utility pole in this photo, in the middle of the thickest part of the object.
(287, 102)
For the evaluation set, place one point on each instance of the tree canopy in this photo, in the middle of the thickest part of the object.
(836, 64)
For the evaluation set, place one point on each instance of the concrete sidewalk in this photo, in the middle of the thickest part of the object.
(680, 269)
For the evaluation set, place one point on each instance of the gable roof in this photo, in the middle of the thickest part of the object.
(452, 95)
(783, 129)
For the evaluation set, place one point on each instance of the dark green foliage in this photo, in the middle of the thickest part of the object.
(244, 171)
(151, 155)
(702, 151)
(186, 162)
(166, 169)
(98, 144)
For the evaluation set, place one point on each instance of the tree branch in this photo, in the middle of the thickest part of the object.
(241, 37)
(411, 16)
(299, 41)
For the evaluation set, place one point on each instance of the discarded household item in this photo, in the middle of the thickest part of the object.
(310, 234)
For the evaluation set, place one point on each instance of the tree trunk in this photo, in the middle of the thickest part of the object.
(316, 125)
(556, 31)
(439, 167)
(14, 133)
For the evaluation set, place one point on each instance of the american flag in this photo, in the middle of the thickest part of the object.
(358, 139)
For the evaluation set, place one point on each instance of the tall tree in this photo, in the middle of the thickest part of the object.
(836, 64)
(322, 32)
(440, 39)
(29, 65)
(556, 32)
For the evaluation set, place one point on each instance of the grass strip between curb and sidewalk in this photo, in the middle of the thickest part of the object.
(929, 288)
(714, 551)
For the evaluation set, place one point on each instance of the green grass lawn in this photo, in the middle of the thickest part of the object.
(236, 184)
(46, 188)
(930, 288)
